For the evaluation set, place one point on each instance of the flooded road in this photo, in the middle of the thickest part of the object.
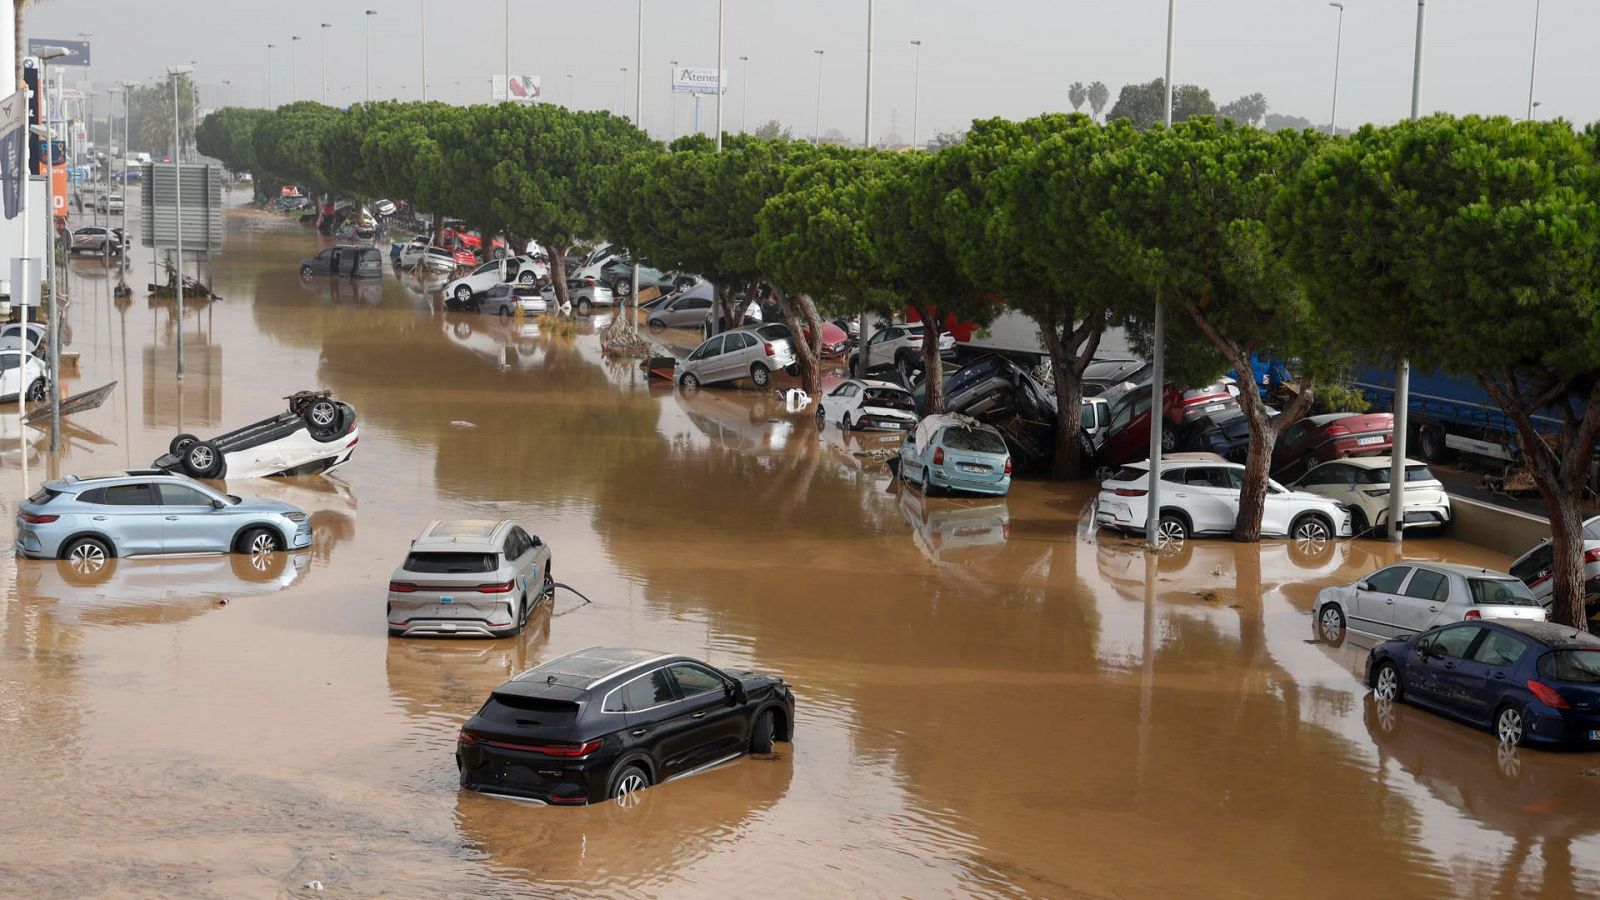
(992, 701)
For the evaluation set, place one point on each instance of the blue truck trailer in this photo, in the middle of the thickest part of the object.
(1448, 415)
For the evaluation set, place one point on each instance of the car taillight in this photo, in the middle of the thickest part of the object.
(1473, 614)
(467, 738)
(1130, 492)
(768, 348)
(564, 750)
(1008, 465)
(500, 587)
(1591, 555)
(938, 456)
(1337, 430)
(401, 587)
(32, 519)
(1548, 695)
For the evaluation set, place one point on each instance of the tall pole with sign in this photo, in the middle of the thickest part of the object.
(1402, 369)
(1158, 352)
(721, 88)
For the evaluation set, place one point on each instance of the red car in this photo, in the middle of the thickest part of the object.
(1128, 435)
(834, 340)
(1317, 439)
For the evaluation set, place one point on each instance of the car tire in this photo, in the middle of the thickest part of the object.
(1171, 528)
(689, 382)
(1510, 727)
(181, 443)
(657, 326)
(622, 287)
(527, 278)
(463, 295)
(760, 374)
(258, 540)
(37, 390)
(305, 272)
(1386, 683)
(854, 359)
(1430, 444)
(202, 460)
(1169, 438)
(322, 416)
(822, 418)
(582, 306)
(1331, 624)
(1103, 472)
(87, 551)
(848, 424)
(626, 784)
(1358, 521)
(505, 311)
(762, 732)
(1312, 529)
(927, 483)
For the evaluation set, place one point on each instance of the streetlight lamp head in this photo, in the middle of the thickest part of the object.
(40, 130)
(744, 59)
(1338, 6)
(45, 54)
(327, 24)
(817, 52)
(180, 70)
(372, 12)
(916, 43)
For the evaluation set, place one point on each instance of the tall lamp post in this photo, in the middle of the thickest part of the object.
(1158, 347)
(816, 129)
(422, 30)
(325, 27)
(270, 48)
(572, 92)
(177, 183)
(674, 99)
(127, 113)
(638, 122)
(744, 96)
(916, 91)
(44, 55)
(622, 105)
(508, 51)
(1402, 371)
(722, 89)
(368, 18)
(294, 68)
(1533, 66)
(1338, 45)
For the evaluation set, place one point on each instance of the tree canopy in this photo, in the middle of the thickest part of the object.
(1145, 104)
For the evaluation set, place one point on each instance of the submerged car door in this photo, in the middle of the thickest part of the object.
(190, 522)
(1374, 605)
(717, 722)
(1434, 677)
(1485, 674)
(132, 517)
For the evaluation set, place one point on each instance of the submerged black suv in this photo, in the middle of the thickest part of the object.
(604, 722)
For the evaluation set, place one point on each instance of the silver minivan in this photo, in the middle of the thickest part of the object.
(469, 578)
(1410, 597)
(741, 353)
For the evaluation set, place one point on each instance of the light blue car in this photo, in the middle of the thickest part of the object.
(950, 452)
(142, 512)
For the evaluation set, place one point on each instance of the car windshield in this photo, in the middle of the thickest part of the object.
(975, 439)
(1380, 475)
(1582, 666)
(1500, 592)
(450, 563)
(1591, 529)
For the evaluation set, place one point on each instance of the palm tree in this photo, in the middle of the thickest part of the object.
(1077, 94)
(16, 25)
(1099, 96)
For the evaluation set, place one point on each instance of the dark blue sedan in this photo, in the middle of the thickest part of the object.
(1528, 682)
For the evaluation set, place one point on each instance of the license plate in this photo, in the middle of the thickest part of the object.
(1594, 735)
(969, 467)
(1216, 407)
(447, 599)
(1369, 441)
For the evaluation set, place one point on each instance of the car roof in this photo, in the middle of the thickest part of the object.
(1369, 462)
(1191, 458)
(878, 383)
(1549, 633)
(1325, 418)
(1454, 569)
(461, 534)
(81, 482)
(590, 666)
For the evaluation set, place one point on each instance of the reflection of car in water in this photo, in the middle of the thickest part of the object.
(965, 530)
(505, 343)
(734, 421)
(328, 500)
(444, 678)
(366, 292)
(148, 591)
(605, 723)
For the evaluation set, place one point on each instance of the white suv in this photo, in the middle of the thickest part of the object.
(901, 346)
(1200, 495)
(506, 270)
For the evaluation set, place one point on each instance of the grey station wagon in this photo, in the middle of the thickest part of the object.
(469, 578)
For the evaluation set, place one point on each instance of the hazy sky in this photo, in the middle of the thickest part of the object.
(1003, 57)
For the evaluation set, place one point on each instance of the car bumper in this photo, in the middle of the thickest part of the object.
(529, 776)
(976, 483)
(416, 614)
(1570, 729)
(884, 423)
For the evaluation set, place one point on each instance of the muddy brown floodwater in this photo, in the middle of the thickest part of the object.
(993, 701)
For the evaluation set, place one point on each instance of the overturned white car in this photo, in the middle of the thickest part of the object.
(316, 435)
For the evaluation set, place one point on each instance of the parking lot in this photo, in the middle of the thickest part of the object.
(992, 698)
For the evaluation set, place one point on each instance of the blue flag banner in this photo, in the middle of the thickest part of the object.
(13, 145)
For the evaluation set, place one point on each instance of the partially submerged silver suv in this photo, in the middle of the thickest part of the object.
(469, 578)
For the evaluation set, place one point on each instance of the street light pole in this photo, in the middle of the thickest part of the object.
(638, 121)
(622, 105)
(1338, 46)
(866, 132)
(177, 181)
(722, 89)
(508, 53)
(368, 17)
(1402, 371)
(127, 113)
(294, 68)
(572, 92)
(270, 48)
(1158, 349)
(816, 129)
(325, 27)
(44, 56)
(916, 91)
(1533, 67)
(673, 99)
(744, 97)
(422, 30)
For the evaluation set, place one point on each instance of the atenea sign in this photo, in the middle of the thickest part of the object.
(698, 81)
(517, 88)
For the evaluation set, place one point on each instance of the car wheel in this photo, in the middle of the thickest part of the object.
(902, 363)
(1171, 529)
(1330, 624)
(689, 381)
(322, 415)
(1311, 533)
(626, 785)
(1430, 443)
(762, 732)
(259, 540)
(505, 311)
(1386, 683)
(622, 287)
(202, 460)
(1358, 521)
(181, 443)
(36, 391)
(1508, 726)
(547, 588)
(854, 359)
(1169, 439)
(463, 295)
(526, 278)
(87, 554)
(848, 423)
(305, 272)
(1103, 473)
(583, 306)
(760, 374)
(657, 326)
(822, 418)
(927, 483)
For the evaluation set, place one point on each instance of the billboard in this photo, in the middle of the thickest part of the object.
(78, 50)
(698, 81)
(58, 176)
(518, 88)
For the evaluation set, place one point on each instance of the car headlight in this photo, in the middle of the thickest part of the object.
(295, 517)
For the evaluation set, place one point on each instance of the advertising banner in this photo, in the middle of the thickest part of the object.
(13, 127)
(517, 88)
(698, 81)
(58, 177)
(78, 51)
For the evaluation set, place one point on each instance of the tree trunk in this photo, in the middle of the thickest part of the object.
(1566, 541)
(1253, 492)
(1067, 363)
(799, 312)
(729, 304)
(932, 362)
(558, 270)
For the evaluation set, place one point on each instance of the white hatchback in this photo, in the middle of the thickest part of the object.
(1201, 496)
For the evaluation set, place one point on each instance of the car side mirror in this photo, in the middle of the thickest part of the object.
(218, 504)
(735, 691)
(1363, 586)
